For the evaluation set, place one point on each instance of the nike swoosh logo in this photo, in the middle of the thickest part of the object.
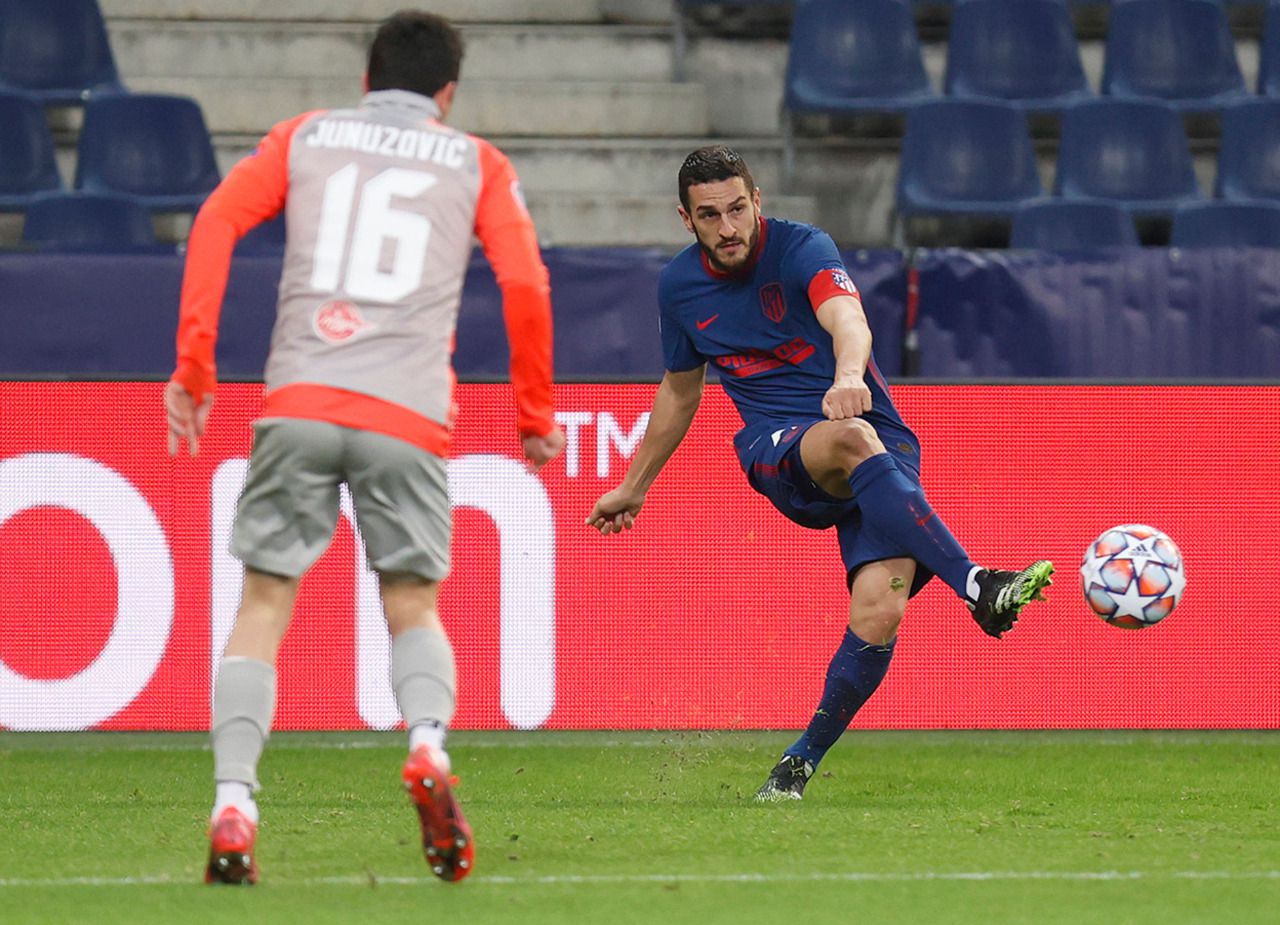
(702, 325)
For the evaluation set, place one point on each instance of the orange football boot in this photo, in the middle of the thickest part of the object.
(446, 837)
(231, 838)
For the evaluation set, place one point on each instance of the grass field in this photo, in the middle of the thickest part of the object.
(981, 827)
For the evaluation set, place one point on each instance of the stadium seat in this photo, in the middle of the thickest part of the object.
(56, 51)
(1249, 151)
(1131, 152)
(1022, 51)
(966, 157)
(1269, 52)
(848, 58)
(27, 165)
(1064, 224)
(90, 222)
(1181, 51)
(1227, 224)
(155, 148)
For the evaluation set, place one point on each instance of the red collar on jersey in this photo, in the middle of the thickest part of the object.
(746, 267)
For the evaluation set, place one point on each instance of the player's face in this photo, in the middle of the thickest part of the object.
(725, 218)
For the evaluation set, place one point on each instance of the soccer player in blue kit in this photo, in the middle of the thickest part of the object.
(770, 304)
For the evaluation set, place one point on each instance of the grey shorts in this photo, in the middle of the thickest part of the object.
(288, 509)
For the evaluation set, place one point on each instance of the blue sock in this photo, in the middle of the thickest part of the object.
(896, 506)
(855, 672)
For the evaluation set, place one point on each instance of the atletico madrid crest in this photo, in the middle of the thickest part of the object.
(772, 302)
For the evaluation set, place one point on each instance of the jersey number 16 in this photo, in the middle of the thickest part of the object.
(376, 221)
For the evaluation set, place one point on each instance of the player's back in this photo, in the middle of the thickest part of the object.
(381, 212)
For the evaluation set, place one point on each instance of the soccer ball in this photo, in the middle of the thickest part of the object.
(1132, 576)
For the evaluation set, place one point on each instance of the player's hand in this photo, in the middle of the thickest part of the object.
(616, 510)
(538, 451)
(187, 417)
(844, 400)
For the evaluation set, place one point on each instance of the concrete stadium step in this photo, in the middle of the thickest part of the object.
(487, 107)
(462, 11)
(146, 48)
(648, 166)
(590, 220)
(631, 166)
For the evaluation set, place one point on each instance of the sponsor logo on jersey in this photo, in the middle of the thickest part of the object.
(772, 302)
(794, 352)
(706, 322)
(338, 321)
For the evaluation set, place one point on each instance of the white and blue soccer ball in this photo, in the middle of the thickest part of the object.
(1133, 576)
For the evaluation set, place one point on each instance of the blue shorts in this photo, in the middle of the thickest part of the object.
(770, 456)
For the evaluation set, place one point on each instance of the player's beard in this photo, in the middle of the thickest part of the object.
(748, 249)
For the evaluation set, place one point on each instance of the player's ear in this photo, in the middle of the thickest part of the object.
(444, 98)
(755, 198)
(684, 217)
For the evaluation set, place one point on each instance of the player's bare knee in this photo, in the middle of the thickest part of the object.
(876, 622)
(855, 440)
(878, 603)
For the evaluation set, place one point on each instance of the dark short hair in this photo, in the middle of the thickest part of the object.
(711, 165)
(415, 51)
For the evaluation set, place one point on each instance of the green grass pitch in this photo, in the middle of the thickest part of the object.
(964, 827)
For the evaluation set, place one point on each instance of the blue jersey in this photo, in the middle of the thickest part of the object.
(759, 327)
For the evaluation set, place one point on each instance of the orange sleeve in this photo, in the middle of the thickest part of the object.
(510, 243)
(252, 192)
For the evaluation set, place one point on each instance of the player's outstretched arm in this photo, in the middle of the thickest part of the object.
(843, 318)
(673, 409)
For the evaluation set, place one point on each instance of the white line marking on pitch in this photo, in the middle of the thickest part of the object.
(587, 879)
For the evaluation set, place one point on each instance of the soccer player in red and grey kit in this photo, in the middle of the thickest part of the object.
(770, 304)
(382, 202)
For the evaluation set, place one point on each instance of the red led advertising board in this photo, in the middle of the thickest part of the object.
(116, 590)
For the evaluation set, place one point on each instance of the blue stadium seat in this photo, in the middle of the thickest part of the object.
(848, 58)
(1067, 224)
(155, 148)
(1131, 152)
(1181, 51)
(1227, 224)
(1249, 151)
(854, 57)
(1269, 51)
(1022, 51)
(27, 165)
(90, 222)
(56, 51)
(966, 157)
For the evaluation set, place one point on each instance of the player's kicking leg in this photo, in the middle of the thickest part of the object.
(848, 460)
